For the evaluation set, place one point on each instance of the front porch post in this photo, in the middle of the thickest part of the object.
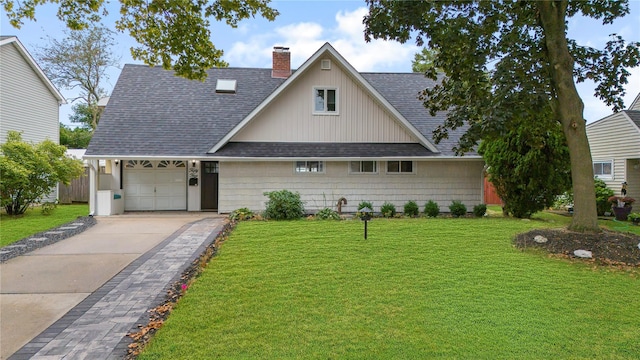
(94, 178)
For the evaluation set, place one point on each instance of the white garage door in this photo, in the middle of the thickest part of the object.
(151, 185)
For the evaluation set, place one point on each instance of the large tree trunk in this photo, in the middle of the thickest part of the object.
(570, 111)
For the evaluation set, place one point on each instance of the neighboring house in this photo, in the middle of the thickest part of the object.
(615, 149)
(29, 102)
(324, 130)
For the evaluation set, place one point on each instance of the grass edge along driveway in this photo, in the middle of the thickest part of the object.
(424, 288)
(14, 228)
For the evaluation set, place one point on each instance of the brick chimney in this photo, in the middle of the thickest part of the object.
(281, 62)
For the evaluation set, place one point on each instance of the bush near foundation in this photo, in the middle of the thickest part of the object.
(283, 205)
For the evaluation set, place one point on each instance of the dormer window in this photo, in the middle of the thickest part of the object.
(325, 101)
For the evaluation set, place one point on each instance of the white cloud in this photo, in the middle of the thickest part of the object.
(305, 38)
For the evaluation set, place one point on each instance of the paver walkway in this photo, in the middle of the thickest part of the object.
(97, 327)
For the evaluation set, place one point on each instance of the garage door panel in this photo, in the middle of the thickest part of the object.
(155, 189)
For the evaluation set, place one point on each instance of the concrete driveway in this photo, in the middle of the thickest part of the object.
(38, 288)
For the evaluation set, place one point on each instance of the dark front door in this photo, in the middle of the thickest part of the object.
(209, 190)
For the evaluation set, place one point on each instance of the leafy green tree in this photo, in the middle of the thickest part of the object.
(174, 33)
(80, 61)
(529, 166)
(503, 59)
(423, 61)
(30, 171)
(76, 138)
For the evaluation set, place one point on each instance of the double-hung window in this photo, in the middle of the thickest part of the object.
(309, 166)
(603, 169)
(363, 167)
(400, 167)
(325, 100)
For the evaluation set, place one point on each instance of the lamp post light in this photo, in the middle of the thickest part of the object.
(365, 215)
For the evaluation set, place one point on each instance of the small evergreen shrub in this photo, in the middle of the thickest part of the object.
(241, 214)
(480, 210)
(411, 209)
(364, 204)
(47, 207)
(327, 214)
(388, 209)
(283, 205)
(457, 208)
(431, 209)
(603, 193)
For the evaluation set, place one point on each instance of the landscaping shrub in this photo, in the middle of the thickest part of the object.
(47, 207)
(564, 201)
(388, 209)
(457, 208)
(364, 204)
(241, 214)
(431, 209)
(603, 193)
(327, 214)
(283, 205)
(480, 210)
(411, 208)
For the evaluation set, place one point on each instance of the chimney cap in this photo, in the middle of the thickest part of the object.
(280, 49)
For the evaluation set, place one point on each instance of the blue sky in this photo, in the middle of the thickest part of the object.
(304, 26)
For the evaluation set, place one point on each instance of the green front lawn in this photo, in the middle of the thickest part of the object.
(416, 289)
(13, 228)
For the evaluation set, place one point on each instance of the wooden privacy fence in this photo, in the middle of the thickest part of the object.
(77, 191)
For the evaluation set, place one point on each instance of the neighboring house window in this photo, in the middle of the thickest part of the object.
(309, 166)
(398, 167)
(363, 167)
(603, 169)
(325, 101)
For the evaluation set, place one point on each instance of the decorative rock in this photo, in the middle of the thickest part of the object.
(583, 254)
(38, 239)
(638, 245)
(540, 239)
(67, 227)
(53, 232)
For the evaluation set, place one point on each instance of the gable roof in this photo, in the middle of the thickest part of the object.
(13, 40)
(632, 116)
(635, 104)
(154, 114)
(327, 49)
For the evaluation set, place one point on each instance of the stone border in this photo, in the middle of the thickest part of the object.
(47, 237)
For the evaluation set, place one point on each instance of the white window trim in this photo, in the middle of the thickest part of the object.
(295, 167)
(604, 177)
(313, 101)
(413, 168)
(351, 172)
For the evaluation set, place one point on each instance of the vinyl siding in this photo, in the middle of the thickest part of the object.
(290, 118)
(615, 138)
(242, 184)
(26, 104)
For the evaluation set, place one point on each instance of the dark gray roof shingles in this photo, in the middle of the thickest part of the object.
(634, 115)
(322, 150)
(152, 112)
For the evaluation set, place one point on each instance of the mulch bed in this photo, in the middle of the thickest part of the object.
(607, 247)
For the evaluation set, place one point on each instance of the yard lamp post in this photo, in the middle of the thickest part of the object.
(365, 216)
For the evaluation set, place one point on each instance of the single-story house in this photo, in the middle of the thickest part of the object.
(324, 130)
(615, 149)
